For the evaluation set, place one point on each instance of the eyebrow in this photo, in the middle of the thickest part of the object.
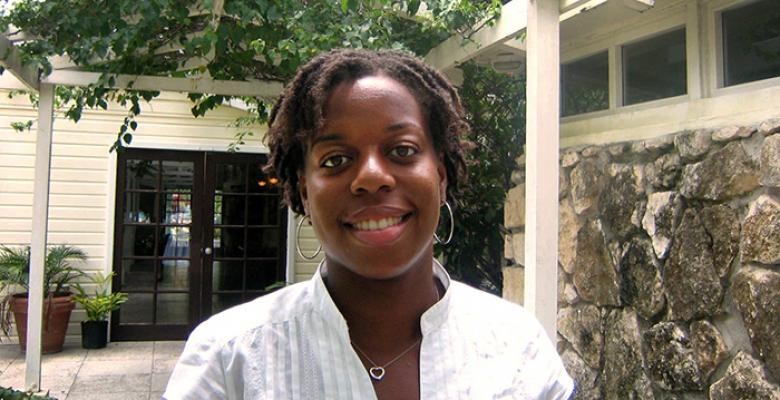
(401, 125)
(335, 136)
(329, 137)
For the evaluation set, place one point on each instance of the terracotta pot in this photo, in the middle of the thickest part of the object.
(94, 334)
(56, 315)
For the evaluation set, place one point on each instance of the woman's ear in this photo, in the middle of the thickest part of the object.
(442, 170)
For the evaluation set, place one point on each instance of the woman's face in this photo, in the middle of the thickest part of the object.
(372, 181)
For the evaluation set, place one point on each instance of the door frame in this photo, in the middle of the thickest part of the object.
(147, 143)
(195, 290)
(207, 260)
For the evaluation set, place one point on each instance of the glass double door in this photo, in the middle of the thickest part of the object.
(195, 233)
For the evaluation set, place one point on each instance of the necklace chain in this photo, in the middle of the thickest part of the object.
(376, 371)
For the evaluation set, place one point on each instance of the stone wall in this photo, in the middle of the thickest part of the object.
(669, 265)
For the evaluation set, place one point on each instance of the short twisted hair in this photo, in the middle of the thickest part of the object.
(298, 113)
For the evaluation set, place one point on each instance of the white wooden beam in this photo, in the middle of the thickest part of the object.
(13, 63)
(454, 51)
(513, 21)
(40, 221)
(570, 8)
(541, 205)
(189, 85)
(639, 5)
(566, 5)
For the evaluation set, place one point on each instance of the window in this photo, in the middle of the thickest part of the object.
(585, 85)
(751, 42)
(654, 68)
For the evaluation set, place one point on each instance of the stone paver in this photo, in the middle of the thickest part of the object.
(110, 396)
(112, 367)
(168, 350)
(112, 383)
(121, 371)
(8, 353)
(123, 351)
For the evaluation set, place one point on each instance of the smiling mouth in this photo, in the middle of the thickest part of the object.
(378, 224)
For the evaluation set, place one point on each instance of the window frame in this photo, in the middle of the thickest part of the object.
(656, 34)
(609, 77)
(715, 39)
(612, 38)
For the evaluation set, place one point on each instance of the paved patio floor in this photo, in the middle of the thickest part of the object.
(121, 371)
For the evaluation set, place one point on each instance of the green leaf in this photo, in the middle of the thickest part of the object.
(414, 6)
(349, 5)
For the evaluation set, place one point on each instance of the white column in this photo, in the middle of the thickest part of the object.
(292, 242)
(693, 51)
(541, 205)
(40, 220)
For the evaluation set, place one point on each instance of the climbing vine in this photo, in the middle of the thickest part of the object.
(224, 39)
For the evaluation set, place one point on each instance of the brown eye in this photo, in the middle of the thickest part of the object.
(334, 161)
(403, 151)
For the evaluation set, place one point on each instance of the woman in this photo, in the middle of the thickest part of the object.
(367, 145)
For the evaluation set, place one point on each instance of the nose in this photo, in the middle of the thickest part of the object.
(373, 175)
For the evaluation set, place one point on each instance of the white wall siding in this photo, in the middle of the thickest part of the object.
(83, 171)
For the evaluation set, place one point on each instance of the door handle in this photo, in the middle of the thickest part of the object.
(207, 251)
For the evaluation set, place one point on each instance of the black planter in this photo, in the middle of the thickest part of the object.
(94, 334)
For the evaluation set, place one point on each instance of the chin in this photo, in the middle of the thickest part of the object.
(384, 267)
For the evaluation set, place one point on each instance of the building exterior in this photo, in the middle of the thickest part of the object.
(187, 227)
(669, 215)
(666, 105)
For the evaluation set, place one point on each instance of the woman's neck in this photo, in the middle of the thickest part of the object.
(383, 315)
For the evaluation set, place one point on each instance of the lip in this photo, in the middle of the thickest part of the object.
(375, 213)
(378, 237)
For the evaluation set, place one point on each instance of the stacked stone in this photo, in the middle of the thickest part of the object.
(669, 265)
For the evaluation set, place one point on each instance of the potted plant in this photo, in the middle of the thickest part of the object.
(94, 330)
(58, 273)
(14, 394)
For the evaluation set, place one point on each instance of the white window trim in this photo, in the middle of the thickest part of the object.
(714, 36)
(694, 59)
(718, 106)
(655, 21)
(609, 80)
(657, 33)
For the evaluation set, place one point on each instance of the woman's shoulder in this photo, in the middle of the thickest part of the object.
(480, 302)
(487, 313)
(507, 332)
(273, 308)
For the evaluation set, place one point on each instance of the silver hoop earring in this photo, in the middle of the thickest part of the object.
(452, 227)
(298, 241)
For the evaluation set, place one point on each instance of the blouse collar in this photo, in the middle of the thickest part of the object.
(433, 318)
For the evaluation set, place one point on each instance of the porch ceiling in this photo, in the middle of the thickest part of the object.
(502, 46)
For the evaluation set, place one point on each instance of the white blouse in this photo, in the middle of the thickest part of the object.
(294, 344)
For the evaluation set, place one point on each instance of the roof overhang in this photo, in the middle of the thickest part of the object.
(502, 44)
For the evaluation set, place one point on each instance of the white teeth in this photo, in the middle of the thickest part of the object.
(374, 224)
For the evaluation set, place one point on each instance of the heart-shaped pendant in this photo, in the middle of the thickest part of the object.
(377, 373)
